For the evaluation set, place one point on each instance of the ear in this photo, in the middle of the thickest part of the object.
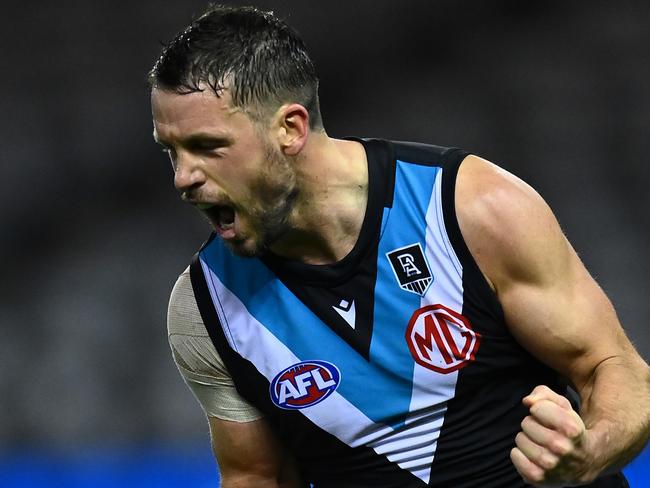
(292, 128)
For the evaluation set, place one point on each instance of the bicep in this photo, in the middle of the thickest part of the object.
(249, 455)
(565, 319)
(552, 306)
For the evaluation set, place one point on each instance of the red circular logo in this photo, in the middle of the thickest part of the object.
(441, 339)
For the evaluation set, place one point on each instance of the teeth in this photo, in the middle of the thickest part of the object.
(205, 206)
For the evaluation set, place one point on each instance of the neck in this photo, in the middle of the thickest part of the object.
(332, 179)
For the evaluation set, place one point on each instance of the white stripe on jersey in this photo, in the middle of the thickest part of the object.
(430, 387)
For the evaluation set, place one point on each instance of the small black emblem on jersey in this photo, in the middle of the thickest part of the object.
(411, 268)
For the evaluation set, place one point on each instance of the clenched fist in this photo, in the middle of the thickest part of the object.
(552, 445)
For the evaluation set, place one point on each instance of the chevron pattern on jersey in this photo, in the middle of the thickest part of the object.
(389, 402)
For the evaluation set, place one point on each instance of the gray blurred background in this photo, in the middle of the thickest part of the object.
(94, 235)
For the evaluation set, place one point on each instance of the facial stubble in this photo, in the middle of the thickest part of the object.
(276, 190)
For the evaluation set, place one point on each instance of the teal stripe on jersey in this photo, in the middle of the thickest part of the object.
(405, 225)
(292, 323)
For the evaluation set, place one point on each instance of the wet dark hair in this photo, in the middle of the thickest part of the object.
(254, 54)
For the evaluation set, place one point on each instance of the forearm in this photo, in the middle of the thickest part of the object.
(616, 412)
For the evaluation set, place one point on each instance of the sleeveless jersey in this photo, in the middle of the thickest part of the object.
(392, 367)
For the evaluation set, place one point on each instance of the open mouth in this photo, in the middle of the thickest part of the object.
(221, 216)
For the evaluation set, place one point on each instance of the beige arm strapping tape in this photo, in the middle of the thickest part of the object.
(198, 361)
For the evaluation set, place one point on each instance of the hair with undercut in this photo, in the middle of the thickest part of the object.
(258, 57)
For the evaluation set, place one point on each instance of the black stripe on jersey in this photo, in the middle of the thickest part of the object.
(323, 459)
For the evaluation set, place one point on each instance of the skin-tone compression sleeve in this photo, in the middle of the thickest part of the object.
(198, 361)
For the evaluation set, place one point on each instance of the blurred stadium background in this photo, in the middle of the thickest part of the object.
(94, 236)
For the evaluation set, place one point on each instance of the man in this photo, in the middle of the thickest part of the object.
(369, 313)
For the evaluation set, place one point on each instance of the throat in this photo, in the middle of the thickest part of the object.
(309, 250)
(326, 239)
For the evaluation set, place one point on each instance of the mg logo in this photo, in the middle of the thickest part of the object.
(441, 339)
(304, 384)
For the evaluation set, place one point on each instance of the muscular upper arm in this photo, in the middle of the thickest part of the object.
(552, 306)
(249, 455)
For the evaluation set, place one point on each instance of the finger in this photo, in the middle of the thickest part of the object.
(554, 417)
(543, 392)
(529, 471)
(553, 441)
(535, 453)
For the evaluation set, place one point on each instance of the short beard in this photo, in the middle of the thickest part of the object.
(277, 202)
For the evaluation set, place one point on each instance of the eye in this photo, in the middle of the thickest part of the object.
(209, 148)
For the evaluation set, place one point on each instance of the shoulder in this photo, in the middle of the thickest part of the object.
(552, 305)
(509, 229)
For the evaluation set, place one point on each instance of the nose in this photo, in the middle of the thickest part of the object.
(188, 174)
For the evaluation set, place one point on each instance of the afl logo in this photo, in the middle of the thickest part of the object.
(304, 384)
(441, 339)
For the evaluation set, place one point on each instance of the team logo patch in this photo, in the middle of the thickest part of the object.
(411, 268)
(441, 339)
(304, 384)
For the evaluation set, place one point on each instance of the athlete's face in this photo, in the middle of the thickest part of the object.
(227, 166)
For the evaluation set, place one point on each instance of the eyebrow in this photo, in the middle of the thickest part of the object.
(198, 139)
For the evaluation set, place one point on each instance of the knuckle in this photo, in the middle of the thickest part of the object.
(541, 389)
(560, 446)
(544, 402)
(572, 430)
(547, 461)
(565, 401)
